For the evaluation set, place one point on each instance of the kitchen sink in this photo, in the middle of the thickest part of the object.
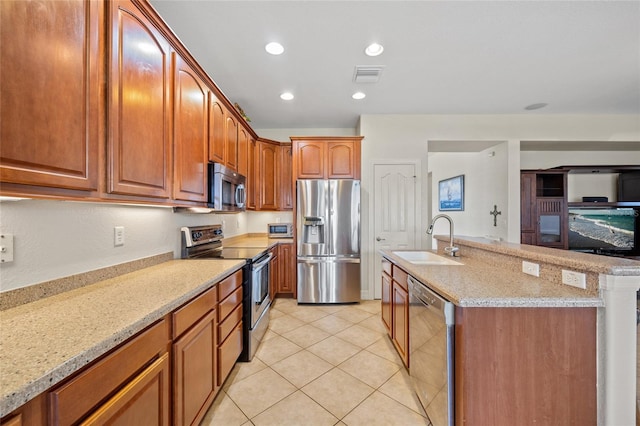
(425, 258)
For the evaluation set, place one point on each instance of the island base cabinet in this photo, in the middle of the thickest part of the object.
(525, 366)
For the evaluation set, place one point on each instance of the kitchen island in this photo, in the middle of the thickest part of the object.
(489, 287)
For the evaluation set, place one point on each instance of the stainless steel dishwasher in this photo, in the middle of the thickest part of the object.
(431, 366)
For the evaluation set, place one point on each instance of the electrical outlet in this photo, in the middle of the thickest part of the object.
(118, 236)
(6, 248)
(531, 268)
(575, 279)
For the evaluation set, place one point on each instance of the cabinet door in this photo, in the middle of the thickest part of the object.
(400, 321)
(216, 130)
(286, 182)
(274, 273)
(386, 302)
(50, 101)
(144, 400)
(243, 152)
(231, 149)
(528, 202)
(268, 179)
(552, 222)
(252, 182)
(139, 143)
(194, 361)
(310, 160)
(287, 262)
(190, 127)
(341, 160)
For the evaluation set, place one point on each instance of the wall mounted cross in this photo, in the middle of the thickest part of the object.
(495, 214)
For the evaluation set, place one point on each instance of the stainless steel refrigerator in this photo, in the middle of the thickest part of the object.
(328, 234)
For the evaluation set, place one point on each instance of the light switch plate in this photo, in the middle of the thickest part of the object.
(6, 248)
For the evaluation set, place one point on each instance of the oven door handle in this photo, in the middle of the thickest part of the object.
(262, 263)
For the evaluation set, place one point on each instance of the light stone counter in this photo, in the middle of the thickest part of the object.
(478, 284)
(254, 241)
(45, 341)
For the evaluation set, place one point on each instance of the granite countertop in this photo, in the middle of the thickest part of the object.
(43, 342)
(254, 241)
(478, 284)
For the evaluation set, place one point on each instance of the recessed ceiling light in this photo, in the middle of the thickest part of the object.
(535, 106)
(358, 96)
(274, 48)
(374, 49)
(286, 96)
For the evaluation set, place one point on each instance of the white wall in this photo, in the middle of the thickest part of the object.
(55, 239)
(406, 136)
(486, 184)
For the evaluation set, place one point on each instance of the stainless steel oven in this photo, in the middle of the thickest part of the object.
(206, 242)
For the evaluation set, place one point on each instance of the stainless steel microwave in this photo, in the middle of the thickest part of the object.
(227, 191)
(280, 230)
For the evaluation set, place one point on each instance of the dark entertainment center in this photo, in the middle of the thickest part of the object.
(594, 225)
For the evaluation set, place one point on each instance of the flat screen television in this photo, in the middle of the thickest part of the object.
(604, 230)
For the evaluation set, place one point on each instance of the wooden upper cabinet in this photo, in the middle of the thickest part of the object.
(252, 184)
(216, 130)
(326, 157)
(190, 134)
(231, 150)
(243, 151)
(267, 178)
(310, 159)
(139, 143)
(343, 160)
(50, 103)
(286, 179)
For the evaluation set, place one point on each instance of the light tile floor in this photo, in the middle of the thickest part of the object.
(320, 365)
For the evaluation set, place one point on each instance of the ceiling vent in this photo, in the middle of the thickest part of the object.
(367, 73)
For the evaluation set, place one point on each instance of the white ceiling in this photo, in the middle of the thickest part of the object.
(441, 57)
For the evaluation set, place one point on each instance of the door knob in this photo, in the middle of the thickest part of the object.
(380, 239)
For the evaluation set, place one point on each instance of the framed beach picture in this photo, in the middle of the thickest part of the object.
(451, 194)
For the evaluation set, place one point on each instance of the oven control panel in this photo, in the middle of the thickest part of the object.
(193, 236)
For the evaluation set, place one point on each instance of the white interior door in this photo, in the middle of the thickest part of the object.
(394, 204)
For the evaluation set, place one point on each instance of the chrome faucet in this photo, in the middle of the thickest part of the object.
(450, 249)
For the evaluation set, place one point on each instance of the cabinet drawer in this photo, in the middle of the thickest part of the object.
(386, 266)
(227, 326)
(228, 353)
(189, 314)
(400, 276)
(81, 394)
(229, 304)
(229, 284)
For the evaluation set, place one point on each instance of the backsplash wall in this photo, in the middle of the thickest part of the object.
(55, 239)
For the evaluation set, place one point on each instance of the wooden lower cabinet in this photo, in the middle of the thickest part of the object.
(144, 401)
(395, 307)
(274, 273)
(81, 396)
(400, 313)
(229, 342)
(195, 382)
(386, 295)
(287, 264)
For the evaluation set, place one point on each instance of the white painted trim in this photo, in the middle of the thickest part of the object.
(617, 335)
